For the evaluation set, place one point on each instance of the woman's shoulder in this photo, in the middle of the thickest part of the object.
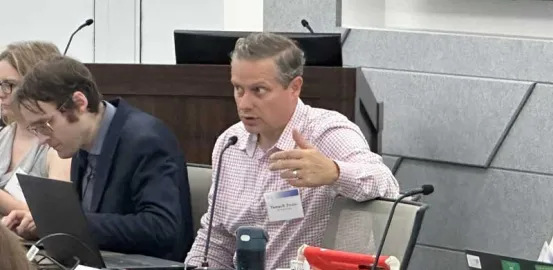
(7, 129)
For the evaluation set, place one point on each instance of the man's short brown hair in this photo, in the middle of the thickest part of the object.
(288, 57)
(54, 80)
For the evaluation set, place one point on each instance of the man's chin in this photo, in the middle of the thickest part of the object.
(65, 155)
(252, 129)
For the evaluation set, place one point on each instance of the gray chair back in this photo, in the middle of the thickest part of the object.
(199, 178)
(358, 227)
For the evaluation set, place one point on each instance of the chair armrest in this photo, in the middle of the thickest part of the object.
(415, 198)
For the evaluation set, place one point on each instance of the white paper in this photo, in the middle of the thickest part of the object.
(543, 253)
(13, 187)
(82, 267)
(546, 253)
(284, 205)
(474, 261)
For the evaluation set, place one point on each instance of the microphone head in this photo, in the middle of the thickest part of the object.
(89, 22)
(232, 140)
(427, 189)
(304, 23)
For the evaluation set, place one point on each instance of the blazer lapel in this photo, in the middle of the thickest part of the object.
(105, 160)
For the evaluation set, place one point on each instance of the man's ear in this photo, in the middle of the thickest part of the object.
(80, 101)
(296, 84)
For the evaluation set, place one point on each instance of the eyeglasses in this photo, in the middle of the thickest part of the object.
(6, 86)
(45, 128)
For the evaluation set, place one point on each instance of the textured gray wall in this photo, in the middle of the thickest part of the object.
(472, 115)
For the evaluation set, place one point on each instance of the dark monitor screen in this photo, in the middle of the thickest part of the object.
(214, 47)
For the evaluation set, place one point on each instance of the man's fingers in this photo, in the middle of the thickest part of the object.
(6, 221)
(298, 182)
(23, 226)
(301, 142)
(286, 164)
(11, 220)
(289, 154)
(32, 227)
(289, 174)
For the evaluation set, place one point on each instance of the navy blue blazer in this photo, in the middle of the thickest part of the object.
(141, 197)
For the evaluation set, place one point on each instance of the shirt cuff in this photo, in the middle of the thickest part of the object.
(346, 184)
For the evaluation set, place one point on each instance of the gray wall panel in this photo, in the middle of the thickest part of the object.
(529, 144)
(441, 117)
(286, 15)
(481, 56)
(486, 209)
(391, 161)
(472, 55)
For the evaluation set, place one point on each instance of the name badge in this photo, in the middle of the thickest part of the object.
(284, 205)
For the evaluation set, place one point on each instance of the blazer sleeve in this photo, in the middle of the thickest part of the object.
(153, 226)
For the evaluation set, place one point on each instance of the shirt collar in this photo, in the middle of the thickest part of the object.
(248, 141)
(103, 130)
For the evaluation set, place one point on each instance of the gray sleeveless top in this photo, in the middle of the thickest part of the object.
(34, 162)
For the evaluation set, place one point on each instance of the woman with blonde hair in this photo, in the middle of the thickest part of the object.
(20, 150)
(12, 253)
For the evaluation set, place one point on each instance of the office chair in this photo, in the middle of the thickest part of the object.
(358, 227)
(199, 178)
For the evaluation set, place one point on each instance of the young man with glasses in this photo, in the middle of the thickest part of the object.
(127, 165)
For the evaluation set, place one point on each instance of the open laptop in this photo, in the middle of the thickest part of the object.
(56, 209)
(478, 260)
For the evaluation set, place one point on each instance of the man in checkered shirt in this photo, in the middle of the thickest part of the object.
(283, 145)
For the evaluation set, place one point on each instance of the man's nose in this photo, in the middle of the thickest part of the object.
(245, 102)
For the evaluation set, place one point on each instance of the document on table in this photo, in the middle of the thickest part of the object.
(546, 253)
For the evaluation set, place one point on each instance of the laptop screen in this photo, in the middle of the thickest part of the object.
(56, 209)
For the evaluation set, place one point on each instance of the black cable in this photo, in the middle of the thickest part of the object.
(66, 235)
(77, 263)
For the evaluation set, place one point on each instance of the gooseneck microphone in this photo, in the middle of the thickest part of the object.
(345, 36)
(424, 190)
(305, 24)
(231, 141)
(85, 24)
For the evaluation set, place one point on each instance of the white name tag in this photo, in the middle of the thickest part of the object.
(284, 205)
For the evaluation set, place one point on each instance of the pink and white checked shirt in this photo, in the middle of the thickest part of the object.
(245, 177)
